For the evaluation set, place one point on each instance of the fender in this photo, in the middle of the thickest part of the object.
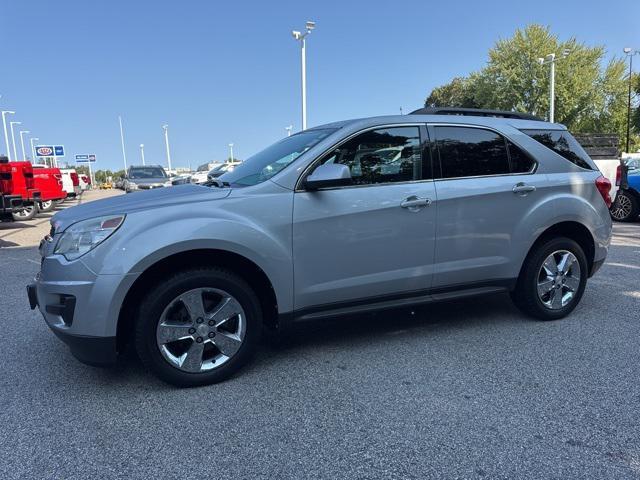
(564, 207)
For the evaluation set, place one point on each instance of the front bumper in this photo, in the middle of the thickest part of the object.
(80, 307)
(95, 351)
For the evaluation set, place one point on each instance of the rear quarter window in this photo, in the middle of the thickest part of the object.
(563, 143)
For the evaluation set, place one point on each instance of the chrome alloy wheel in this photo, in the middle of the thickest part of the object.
(201, 329)
(622, 207)
(559, 279)
(26, 212)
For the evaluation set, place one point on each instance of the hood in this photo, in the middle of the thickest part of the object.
(137, 201)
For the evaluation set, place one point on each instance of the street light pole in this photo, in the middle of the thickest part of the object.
(33, 149)
(303, 63)
(551, 60)
(231, 151)
(166, 142)
(630, 53)
(288, 129)
(13, 138)
(142, 152)
(6, 135)
(124, 153)
(22, 132)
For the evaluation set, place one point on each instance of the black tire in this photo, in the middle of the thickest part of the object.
(162, 294)
(46, 206)
(525, 296)
(626, 208)
(26, 214)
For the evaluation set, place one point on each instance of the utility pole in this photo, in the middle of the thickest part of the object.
(6, 134)
(124, 153)
(630, 53)
(551, 60)
(301, 37)
(22, 132)
(166, 141)
(142, 152)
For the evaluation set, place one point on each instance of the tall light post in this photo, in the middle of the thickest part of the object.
(288, 129)
(33, 148)
(13, 138)
(166, 142)
(551, 60)
(22, 132)
(142, 152)
(301, 37)
(6, 135)
(124, 153)
(231, 151)
(630, 53)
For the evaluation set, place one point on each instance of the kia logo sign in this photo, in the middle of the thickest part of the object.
(44, 151)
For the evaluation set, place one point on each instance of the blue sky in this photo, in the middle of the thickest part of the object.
(220, 72)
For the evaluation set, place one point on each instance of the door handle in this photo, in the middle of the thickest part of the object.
(415, 203)
(523, 189)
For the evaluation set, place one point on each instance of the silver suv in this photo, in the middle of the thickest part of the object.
(345, 218)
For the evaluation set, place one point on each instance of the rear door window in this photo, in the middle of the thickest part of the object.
(563, 143)
(471, 152)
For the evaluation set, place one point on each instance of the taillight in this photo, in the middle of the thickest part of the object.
(604, 187)
(75, 179)
(618, 175)
(27, 171)
(6, 183)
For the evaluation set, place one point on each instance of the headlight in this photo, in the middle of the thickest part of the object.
(83, 236)
(132, 186)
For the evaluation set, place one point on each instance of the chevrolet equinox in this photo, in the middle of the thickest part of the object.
(344, 218)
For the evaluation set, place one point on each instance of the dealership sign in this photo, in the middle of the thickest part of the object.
(49, 151)
(86, 158)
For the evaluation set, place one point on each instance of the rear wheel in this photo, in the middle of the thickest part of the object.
(46, 206)
(27, 213)
(626, 208)
(198, 327)
(552, 280)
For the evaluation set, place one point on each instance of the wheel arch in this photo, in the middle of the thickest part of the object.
(243, 266)
(571, 229)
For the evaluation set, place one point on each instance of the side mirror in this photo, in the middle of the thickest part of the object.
(328, 175)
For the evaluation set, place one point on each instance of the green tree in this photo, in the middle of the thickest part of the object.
(589, 96)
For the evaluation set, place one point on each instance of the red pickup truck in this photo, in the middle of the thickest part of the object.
(9, 202)
(23, 184)
(49, 181)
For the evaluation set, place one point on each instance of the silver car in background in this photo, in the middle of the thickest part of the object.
(350, 217)
(145, 177)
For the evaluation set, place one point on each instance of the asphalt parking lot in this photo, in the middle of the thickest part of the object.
(459, 390)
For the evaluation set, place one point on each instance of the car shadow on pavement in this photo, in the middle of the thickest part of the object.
(372, 327)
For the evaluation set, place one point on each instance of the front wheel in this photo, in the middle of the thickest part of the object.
(27, 213)
(626, 207)
(198, 327)
(552, 280)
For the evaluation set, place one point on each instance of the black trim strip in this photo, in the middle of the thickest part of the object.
(398, 300)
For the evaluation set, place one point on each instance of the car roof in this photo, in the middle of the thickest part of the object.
(521, 124)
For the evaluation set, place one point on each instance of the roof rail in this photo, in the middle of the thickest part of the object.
(477, 112)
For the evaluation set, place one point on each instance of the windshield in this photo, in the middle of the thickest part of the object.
(147, 172)
(265, 164)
